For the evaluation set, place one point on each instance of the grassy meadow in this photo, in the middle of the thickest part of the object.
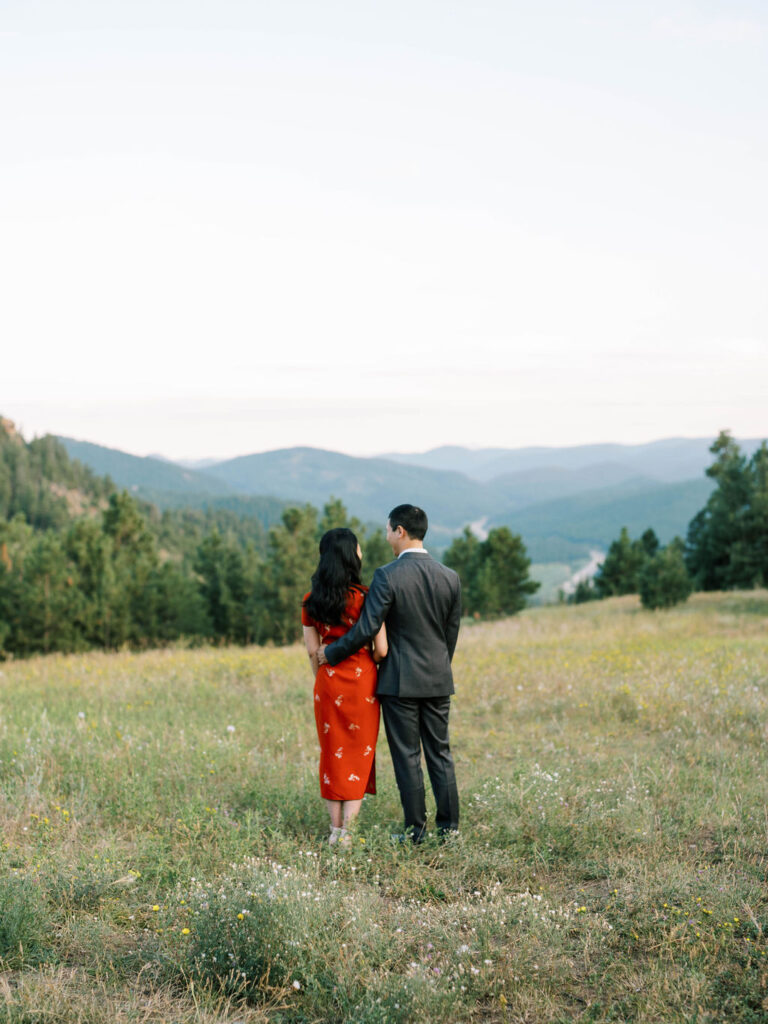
(163, 856)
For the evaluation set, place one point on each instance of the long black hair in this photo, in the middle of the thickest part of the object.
(337, 571)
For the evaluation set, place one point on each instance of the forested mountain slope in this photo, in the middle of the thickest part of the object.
(39, 481)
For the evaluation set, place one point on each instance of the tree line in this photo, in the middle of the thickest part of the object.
(84, 566)
(726, 546)
(104, 582)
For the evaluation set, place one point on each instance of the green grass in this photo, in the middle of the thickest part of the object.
(158, 866)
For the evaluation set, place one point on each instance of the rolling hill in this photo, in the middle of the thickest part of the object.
(368, 487)
(566, 530)
(564, 506)
(143, 476)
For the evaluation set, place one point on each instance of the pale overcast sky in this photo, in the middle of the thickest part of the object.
(235, 225)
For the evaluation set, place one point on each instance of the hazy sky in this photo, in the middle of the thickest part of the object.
(234, 225)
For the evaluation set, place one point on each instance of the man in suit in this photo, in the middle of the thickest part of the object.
(419, 600)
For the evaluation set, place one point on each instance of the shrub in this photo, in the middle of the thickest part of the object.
(664, 581)
(585, 591)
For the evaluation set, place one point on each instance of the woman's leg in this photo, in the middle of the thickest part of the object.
(335, 809)
(350, 810)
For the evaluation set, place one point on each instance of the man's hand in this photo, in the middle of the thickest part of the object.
(321, 658)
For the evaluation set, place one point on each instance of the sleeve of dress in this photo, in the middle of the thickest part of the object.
(305, 619)
(368, 625)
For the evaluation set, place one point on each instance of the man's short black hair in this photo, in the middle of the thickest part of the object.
(412, 519)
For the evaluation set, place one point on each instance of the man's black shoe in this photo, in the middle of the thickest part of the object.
(400, 838)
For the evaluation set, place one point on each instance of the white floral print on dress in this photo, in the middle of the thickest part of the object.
(371, 700)
(367, 751)
(352, 726)
(338, 753)
(326, 727)
(358, 671)
(353, 778)
(326, 780)
(338, 700)
(330, 671)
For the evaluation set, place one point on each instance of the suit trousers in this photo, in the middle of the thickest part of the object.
(412, 723)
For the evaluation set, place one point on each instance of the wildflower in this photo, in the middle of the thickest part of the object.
(297, 985)
(185, 931)
(81, 715)
(230, 728)
(155, 907)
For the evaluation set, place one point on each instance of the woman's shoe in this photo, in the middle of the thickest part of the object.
(345, 839)
(336, 834)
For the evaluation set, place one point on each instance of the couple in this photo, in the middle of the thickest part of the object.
(407, 625)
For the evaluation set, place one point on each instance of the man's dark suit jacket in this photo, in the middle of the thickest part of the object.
(420, 601)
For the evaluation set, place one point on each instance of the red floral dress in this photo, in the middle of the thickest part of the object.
(346, 712)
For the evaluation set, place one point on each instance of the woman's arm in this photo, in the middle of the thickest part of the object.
(380, 645)
(312, 643)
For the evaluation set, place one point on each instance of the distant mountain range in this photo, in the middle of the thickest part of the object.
(564, 502)
(670, 460)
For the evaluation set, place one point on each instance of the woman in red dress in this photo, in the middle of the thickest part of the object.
(346, 708)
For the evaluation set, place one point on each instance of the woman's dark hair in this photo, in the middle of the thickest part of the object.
(337, 571)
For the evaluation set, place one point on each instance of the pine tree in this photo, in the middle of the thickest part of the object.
(664, 580)
(376, 552)
(620, 572)
(16, 540)
(463, 556)
(133, 604)
(749, 554)
(227, 586)
(49, 600)
(717, 543)
(90, 550)
(291, 559)
(493, 572)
